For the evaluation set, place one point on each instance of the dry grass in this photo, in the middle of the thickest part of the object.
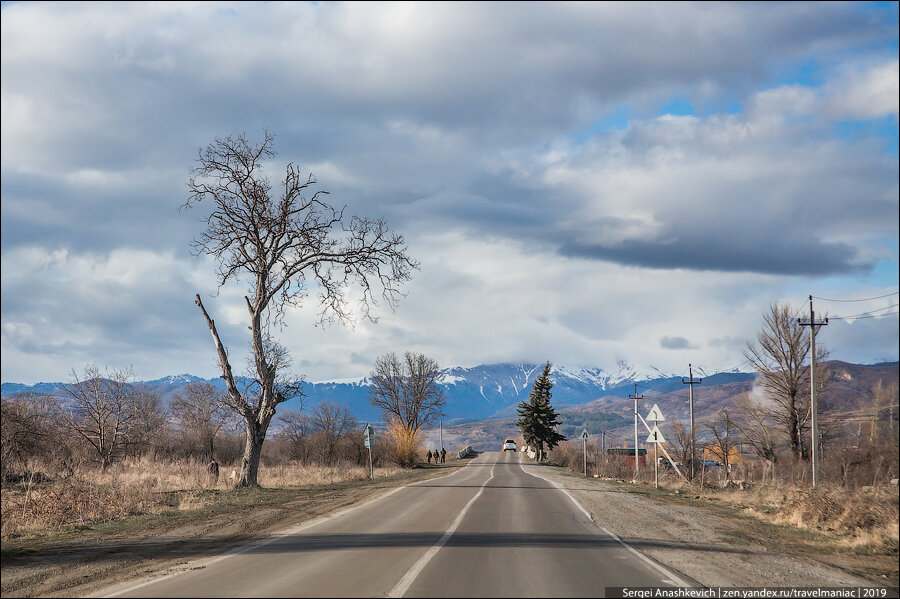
(404, 445)
(866, 519)
(144, 486)
(863, 520)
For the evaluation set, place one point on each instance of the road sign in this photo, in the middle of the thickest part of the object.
(584, 434)
(655, 414)
(367, 441)
(655, 436)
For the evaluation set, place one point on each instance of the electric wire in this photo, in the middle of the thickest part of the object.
(867, 314)
(825, 299)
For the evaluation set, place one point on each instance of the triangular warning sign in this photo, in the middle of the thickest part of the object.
(655, 436)
(655, 414)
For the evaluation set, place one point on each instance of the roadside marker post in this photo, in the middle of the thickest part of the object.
(655, 437)
(637, 464)
(368, 439)
(584, 438)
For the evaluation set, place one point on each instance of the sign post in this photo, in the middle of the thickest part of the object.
(656, 438)
(368, 439)
(584, 438)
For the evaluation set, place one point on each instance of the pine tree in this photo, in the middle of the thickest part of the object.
(538, 420)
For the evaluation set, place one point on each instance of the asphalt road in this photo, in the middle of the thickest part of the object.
(490, 529)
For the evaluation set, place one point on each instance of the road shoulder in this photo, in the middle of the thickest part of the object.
(715, 549)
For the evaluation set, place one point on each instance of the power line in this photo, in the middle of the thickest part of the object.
(856, 300)
(868, 314)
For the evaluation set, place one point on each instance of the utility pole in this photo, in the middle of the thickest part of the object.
(813, 329)
(692, 382)
(637, 462)
(603, 437)
(442, 432)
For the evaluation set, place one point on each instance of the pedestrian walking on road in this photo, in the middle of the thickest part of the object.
(428, 456)
(443, 455)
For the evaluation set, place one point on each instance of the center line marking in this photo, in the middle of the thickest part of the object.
(413, 573)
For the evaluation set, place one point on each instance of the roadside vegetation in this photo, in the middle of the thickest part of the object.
(154, 458)
(754, 460)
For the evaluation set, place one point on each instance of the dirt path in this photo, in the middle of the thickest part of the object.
(715, 549)
(65, 566)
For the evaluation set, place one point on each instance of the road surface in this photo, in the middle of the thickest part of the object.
(490, 529)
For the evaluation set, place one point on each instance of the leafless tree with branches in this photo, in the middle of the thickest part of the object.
(331, 423)
(779, 357)
(680, 438)
(294, 429)
(725, 434)
(200, 415)
(283, 245)
(29, 431)
(406, 390)
(150, 421)
(756, 428)
(102, 411)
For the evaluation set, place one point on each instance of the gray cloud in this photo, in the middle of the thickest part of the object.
(676, 343)
(474, 130)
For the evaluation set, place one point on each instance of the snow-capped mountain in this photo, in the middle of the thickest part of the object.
(472, 393)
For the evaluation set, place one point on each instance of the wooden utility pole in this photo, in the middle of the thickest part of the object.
(813, 329)
(692, 382)
(637, 462)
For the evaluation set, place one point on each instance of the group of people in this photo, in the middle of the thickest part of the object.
(437, 455)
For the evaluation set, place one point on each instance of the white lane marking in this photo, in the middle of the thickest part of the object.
(413, 573)
(665, 572)
(204, 562)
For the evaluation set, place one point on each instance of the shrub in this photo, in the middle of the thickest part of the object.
(404, 445)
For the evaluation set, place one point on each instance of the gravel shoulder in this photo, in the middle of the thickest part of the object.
(70, 563)
(714, 545)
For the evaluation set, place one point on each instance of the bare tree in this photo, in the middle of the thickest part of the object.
(283, 245)
(103, 411)
(884, 403)
(150, 421)
(28, 431)
(294, 429)
(680, 437)
(331, 423)
(779, 358)
(756, 428)
(406, 391)
(200, 416)
(725, 434)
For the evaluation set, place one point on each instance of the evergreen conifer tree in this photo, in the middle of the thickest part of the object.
(538, 420)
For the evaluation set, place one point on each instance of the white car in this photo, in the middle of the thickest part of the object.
(509, 445)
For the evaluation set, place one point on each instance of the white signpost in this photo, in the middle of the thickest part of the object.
(584, 438)
(655, 437)
(368, 441)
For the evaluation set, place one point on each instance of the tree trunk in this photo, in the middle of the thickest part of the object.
(252, 452)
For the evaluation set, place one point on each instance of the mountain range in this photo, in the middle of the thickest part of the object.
(494, 390)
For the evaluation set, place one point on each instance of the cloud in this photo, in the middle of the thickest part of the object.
(676, 343)
(481, 133)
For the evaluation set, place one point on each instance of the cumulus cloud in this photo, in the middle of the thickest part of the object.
(478, 132)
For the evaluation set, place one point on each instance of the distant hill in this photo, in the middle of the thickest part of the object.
(584, 395)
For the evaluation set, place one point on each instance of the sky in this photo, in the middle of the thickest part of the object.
(581, 183)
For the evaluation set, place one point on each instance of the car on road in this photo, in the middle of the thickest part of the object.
(509, 445)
